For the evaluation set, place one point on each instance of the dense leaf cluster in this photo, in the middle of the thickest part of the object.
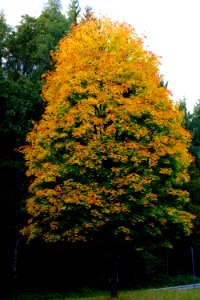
(109, 156)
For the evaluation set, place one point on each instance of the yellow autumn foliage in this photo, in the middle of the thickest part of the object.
(109, 156)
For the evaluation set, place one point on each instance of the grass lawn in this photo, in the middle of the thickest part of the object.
(192, 294)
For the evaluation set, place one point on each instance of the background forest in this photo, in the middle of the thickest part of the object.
(39, 266)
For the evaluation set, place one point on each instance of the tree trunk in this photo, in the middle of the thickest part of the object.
(14, 266)
(167, 261)
(114, 279)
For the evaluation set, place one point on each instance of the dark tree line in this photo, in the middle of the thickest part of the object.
(192, 122)
(24, 58)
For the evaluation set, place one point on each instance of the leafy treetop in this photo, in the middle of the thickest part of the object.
(109, 157)
(73, 11)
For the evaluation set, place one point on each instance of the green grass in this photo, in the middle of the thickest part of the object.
(192, 294)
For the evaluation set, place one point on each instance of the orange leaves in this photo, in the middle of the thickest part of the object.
(165, 171)
(109, 152)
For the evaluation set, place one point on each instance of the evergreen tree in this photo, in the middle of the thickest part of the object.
(192, 123)
(24, 57)
(4, 164)
(88, 14)
(186, 114)
(73, 11)
(53, 5)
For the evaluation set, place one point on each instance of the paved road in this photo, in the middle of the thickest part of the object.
(182, 287)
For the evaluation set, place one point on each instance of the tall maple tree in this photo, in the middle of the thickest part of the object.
(109, 157)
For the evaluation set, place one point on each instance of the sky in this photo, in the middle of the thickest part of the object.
(172, 28)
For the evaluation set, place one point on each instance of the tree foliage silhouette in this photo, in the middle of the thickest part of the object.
(109, 157)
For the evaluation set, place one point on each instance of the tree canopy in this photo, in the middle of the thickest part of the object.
(24, 57)
(109, 156)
